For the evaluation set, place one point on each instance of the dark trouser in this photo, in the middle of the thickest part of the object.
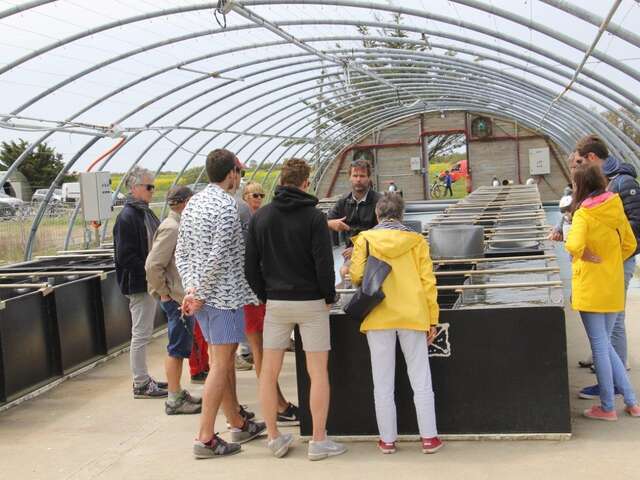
(448, 189)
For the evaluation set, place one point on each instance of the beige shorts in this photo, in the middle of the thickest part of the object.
(311, 316)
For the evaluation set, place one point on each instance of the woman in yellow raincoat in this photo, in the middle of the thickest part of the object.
(408, 312)
(599, 241)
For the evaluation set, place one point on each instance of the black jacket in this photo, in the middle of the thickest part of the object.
(289, 254)
(130, 250)
(360, 217)
(622, 180)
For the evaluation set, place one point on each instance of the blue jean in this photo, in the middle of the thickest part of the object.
(619, 333)
(180, 331)
(610, 370)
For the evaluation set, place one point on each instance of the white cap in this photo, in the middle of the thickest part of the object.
(565, 201)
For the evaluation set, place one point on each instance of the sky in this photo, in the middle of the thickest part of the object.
(266, 100)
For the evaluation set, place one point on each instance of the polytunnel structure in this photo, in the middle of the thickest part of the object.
(159, 84)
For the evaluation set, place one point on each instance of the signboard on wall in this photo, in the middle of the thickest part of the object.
(539, 163)
(415, 164)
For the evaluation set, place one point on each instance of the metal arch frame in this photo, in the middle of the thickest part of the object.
(271, 58)
(33, 3)
(595, 20)
(279, 66)
(370, 105)
(469, 26)
(346, 3)
(156, 45)
(250, 127)
(184, 141)
(315, 22)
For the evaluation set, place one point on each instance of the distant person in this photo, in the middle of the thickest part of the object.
(564, 222)
(289, 265)
(448, 180)
(354, 211)
(209, 257)
(530, 181)
(253, 197)
(164, 283)
(495, 182)
(505, 182)
(408, 314)
(392, 187)
(598, 242)
(133, 234)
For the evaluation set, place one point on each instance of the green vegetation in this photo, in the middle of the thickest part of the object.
(40, 167)
(164, 181)
(459, 188)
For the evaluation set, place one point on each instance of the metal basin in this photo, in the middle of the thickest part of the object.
(456, 241)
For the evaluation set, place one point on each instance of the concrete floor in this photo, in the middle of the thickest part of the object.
(91, 427)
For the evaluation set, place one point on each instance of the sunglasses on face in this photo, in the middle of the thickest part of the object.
(149, 187)
(241, 172)
(257, 195)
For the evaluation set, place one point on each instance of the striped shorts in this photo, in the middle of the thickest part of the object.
(220, 327)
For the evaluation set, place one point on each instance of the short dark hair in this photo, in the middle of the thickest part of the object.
(219, 163)
(178, 195)
(360, 165)
(588, 179)
(592, 144)
(294, 172)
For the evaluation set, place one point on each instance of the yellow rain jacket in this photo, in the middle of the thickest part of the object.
(410, 289)
(600, 226)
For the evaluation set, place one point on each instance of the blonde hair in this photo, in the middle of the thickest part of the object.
(252, 187)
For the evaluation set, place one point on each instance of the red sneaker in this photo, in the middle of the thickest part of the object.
(597, 413)
(633, 411)
(431, 445)
(387, 447)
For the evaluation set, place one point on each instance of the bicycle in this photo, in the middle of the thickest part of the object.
(437, 187)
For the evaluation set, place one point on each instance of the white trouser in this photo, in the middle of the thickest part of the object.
(382, 344)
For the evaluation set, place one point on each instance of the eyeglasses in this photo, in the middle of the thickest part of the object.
(258, 195)
(148, 186)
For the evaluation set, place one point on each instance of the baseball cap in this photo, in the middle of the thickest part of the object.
(240, 165)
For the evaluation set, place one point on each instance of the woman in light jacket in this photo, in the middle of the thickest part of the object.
(599, 241)
(409, 312)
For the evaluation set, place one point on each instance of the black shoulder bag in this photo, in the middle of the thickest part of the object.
(369, 294)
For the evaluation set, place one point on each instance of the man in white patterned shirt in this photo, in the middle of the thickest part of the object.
(209, 256)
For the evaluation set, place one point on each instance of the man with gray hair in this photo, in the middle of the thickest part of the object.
(132, 240)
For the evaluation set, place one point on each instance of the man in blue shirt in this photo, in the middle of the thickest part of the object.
(447, 183)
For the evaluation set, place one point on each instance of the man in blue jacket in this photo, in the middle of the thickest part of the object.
(132, 239)
(622, 180)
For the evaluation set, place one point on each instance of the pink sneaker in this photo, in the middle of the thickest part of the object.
(597, 413)
(633, 411)
(431, 445)
(387, 447)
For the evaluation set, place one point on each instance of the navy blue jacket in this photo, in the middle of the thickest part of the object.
(130, 250)
(622, 180)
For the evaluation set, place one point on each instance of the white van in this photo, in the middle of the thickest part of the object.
(71, 192)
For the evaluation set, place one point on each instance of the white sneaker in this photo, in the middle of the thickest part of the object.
(280, 446)
(325, 448)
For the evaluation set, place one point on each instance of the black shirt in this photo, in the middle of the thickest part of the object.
(360, 216)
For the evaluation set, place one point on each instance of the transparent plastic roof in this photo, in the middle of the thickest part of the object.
(271, 79)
